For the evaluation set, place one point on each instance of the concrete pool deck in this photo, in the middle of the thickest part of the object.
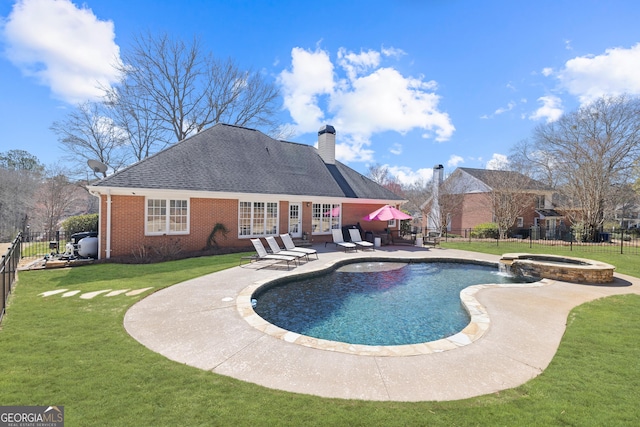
(201, 323)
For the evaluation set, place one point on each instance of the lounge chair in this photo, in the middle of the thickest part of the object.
(262, 253)
(277, 250)
(338, 240)
(357, 239)
(290, 246)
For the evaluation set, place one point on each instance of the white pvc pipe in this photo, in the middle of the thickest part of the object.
(108, 237)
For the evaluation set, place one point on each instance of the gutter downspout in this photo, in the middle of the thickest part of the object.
(108, 237)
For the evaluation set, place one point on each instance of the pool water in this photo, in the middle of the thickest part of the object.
(377, 303)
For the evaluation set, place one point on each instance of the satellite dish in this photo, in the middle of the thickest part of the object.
(97, 167)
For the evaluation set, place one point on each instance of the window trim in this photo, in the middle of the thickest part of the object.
(167, 216)
(322, 207)
(275, 221)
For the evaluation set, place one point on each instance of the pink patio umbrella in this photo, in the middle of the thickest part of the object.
(386, 213)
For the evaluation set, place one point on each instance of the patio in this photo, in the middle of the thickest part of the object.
(199, 323)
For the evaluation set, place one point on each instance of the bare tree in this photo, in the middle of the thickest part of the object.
(534, 163)
(185, 89)
(595, 148)
(415, 194)
(136, 116)
(57, 198)
(20, 174)
(88, 133)
(378, 173)
(510, 196)
(450, 200)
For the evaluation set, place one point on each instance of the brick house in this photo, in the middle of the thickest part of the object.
(253, 185)
(466, 200)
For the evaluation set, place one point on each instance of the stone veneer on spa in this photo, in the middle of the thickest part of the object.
(567, 269)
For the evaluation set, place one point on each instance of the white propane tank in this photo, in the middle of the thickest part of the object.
(88, 247)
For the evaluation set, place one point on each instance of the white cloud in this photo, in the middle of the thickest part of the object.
(498, 162)
(365, 99)
(547, 71)
(311, 75)
(355, 64)
(396, 149)
(613, 73)
(64, 47)
(393, 52)
(353, 152)
(502, 110)
(408, 176)
(454, 161)
(551, 109)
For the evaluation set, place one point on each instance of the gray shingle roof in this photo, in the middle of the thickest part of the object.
(489, 176)
(227, 158)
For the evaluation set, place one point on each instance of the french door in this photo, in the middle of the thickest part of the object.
(295, 220)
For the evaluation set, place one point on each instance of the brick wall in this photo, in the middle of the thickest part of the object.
(476, 209)
(128, 225)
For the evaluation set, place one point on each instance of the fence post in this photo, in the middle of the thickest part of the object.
(621, 241)
(571, 241)
(4, 293)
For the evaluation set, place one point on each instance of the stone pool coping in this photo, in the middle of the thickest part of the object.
(479, 321)
(197, 323)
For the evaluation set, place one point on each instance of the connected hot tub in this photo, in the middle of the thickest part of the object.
(556, 267)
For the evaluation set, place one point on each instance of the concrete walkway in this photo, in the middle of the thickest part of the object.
(201, 323)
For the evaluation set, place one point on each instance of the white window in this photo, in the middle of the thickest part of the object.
(257, 219)
(167, 216)
(325, 217)
(520, 222)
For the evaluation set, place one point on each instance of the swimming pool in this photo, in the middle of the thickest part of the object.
(376, 303)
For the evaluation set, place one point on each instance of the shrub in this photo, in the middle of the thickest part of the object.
(80, 223)
(487, 230)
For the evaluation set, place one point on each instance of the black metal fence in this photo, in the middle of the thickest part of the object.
(40, 244)
(621, 241)
(8, 271)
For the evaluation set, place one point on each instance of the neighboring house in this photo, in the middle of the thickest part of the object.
(253, 185)
(627, 216)
(467, 199)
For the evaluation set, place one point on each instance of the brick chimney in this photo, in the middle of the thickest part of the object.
(327, 144)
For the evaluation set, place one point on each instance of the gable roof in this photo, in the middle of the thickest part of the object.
(484, 179)
(226, 158)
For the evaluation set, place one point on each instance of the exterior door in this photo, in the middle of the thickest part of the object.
(295, 220)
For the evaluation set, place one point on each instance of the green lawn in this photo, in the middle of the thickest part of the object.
(76, 353)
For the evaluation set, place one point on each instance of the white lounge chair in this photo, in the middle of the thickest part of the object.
(290, 246)
(277, 250)
(338, 240)
(357, 239)
(262, 253)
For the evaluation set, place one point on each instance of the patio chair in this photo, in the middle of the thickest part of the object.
(277, 250)
(338, 240)
(290, 246)
(262, 253)
(357, 239)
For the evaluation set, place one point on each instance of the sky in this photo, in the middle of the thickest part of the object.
(407, 84)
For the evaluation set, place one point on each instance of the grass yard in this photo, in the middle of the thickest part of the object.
(76, 353)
